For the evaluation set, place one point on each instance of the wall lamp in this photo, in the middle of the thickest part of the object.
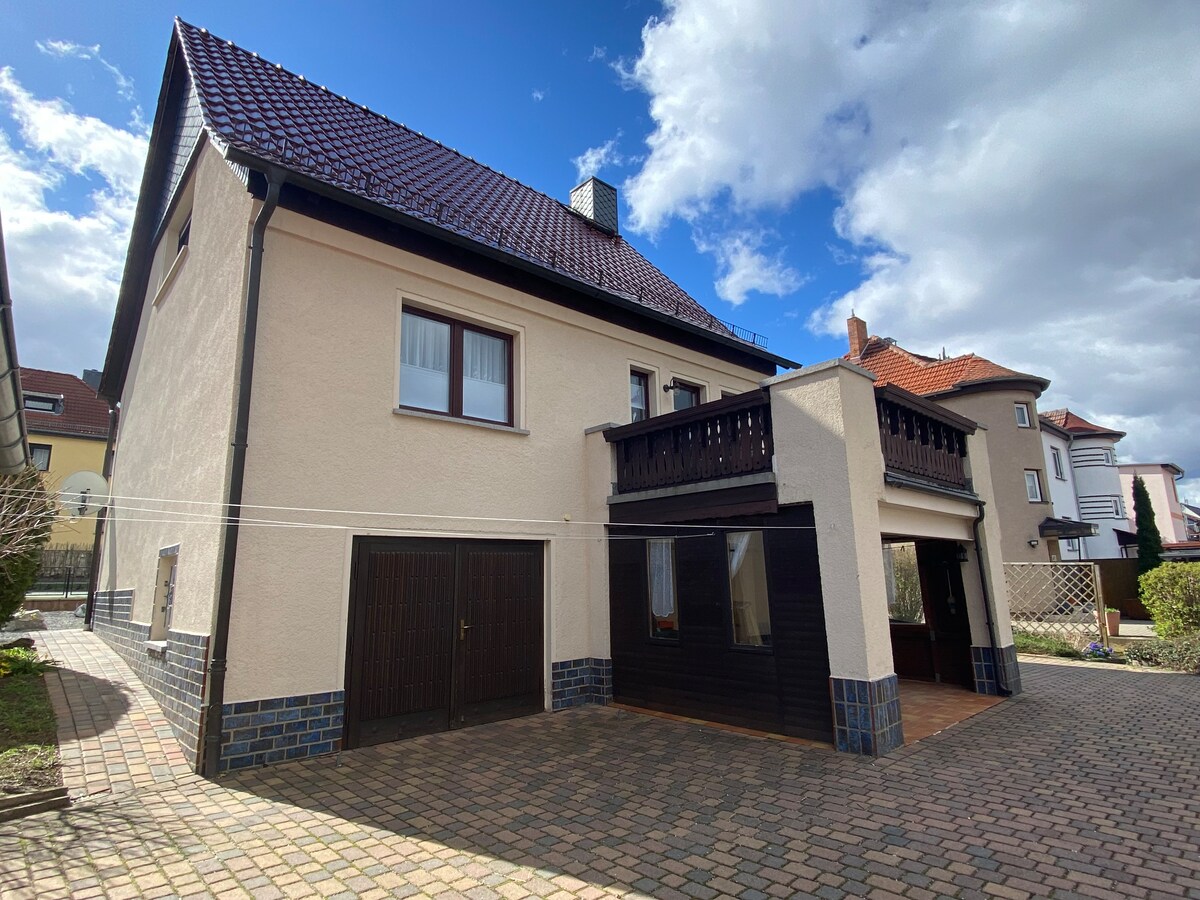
(1032, 542)
(961, 553)
(671, 385)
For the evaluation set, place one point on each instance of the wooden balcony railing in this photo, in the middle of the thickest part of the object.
(922, 439)
(721, 439)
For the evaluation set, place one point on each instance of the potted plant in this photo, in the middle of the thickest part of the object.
(1112, 620)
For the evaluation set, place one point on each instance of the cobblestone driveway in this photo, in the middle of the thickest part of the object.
(1089, 785)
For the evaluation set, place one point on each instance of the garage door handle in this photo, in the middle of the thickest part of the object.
(462, 629)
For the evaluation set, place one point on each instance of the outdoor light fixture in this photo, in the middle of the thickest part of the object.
(670, 386)
(961, 553)
(1033, 542)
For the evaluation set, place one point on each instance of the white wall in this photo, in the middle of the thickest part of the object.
(324, 433)
(1063, 495)
(1098, 486)
(177, 405)
(1164, 498)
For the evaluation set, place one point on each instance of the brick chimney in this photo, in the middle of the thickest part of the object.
(597, 201)
(858, 335)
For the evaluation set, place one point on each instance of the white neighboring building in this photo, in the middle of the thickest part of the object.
(1097, 484)
(1160, 481)
(1065, 532)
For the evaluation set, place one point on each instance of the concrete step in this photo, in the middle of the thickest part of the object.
(17, 806)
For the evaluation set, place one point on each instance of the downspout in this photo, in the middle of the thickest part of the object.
(218, 653)
(14, 449)
(101, 516)
(1001, 689)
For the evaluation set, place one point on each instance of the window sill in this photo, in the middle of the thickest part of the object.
(155, 648)
(438, 417)
(171, 274)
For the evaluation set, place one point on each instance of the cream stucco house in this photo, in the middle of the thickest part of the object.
(421, 447)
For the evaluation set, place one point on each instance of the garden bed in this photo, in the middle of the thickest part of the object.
(28, 730)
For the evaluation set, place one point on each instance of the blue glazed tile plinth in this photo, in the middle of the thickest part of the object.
(866, 715)
(263, 732)
(990, 681)
(577, 682)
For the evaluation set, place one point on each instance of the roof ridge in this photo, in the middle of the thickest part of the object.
(359, 106)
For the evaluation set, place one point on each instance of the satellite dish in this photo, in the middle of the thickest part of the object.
(83, 494)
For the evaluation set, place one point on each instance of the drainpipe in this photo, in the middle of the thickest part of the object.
(14, 451)
(101, 517)
(218, 654)
(1001, 689)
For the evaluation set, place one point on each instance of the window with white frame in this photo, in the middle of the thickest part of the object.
(1108, 457)
(1022, 413)
(455, 369)
(1033, 486)
(1057, 460)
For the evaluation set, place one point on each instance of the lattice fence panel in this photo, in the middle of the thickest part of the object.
(1059, 600)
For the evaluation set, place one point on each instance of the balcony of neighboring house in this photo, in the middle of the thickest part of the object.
(924, 445)
(724, 446)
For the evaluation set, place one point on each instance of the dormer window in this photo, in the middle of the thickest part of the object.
(44, 403)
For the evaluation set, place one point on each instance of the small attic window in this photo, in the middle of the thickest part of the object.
(185, 233)
(44, 403)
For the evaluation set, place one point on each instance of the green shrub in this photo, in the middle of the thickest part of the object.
(1043, 645)
(19, 661)
(1181, 653)
(1171, 593)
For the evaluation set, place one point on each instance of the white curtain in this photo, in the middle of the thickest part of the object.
(485, 376)
(662, 577)
(747, 628)
(424, 363)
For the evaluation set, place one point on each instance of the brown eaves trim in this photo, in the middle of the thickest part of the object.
(1017, 382)
(55, 432)
(1046, 425)
(553, 286)
(373, 221)
(935, 411)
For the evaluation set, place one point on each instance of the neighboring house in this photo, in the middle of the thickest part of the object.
(14, 451)
(1097, 485)
(418, 447)
(1191, 517)
(68, 433)
(1002, 400)
(1065, 533)
(1159, 479)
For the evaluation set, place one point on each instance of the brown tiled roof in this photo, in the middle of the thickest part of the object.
(274, 115)
(1076, 424)
(83, 413)
(892, 364)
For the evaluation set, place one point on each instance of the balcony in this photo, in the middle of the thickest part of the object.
(922, 440)
(721, 439)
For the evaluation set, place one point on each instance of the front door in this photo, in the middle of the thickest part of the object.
(443, 634)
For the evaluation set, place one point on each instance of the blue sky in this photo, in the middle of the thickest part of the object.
(1017, 179)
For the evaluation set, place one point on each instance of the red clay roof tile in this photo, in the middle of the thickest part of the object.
(1076, 424)
(84, 414)
(892, 364)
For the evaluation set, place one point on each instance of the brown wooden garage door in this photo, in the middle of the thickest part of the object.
(443, 634)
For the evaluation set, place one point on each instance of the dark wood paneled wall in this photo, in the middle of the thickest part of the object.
(783, 689)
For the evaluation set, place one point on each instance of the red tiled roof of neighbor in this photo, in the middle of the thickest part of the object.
(1076, 424)
(83, 414)
(892, 364)
(279, 117)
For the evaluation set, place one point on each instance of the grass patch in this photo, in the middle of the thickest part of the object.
(28, 733)
(1043, 645)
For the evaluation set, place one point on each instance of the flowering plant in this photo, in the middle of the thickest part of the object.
(1096, 650)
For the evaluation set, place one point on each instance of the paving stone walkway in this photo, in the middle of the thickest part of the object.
(1088, 785)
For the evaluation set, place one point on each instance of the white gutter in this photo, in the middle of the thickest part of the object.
(14, 449)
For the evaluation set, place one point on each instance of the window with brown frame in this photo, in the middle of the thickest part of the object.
(455, 369)
(686, 395)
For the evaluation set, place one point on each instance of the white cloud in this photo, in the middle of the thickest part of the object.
(598, 54)
(62, 49)
(64, 268)
(743, 267)
(592, 160)
(1019, 177)
(538, 96)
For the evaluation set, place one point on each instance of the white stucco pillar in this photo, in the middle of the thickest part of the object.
(827, 453)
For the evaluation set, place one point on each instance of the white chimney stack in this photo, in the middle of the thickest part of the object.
(597, 201)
